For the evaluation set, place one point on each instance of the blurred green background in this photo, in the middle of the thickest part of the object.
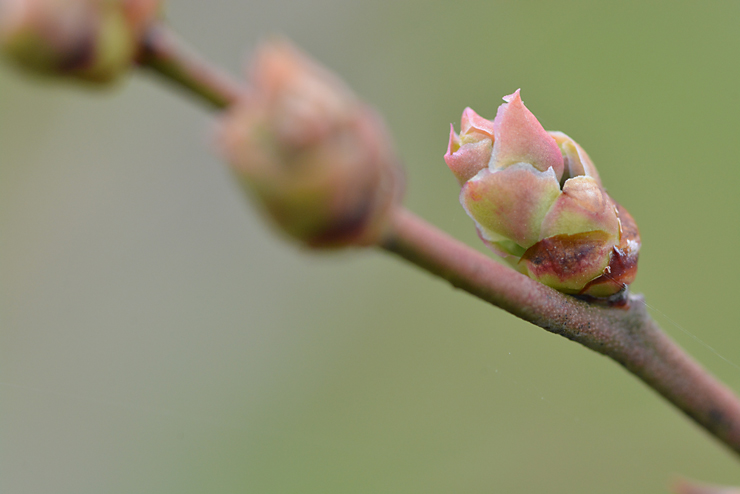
(157, 337)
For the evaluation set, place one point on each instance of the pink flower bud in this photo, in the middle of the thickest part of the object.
(318, 159)
(537, 200)
(93, 40)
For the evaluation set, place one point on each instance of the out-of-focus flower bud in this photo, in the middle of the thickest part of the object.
(93, 40)
(318, 159)
(537, 200)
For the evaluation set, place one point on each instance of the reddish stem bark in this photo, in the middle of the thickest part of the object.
(164, 53)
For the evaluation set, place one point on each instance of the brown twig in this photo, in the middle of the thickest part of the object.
(626, 334)
(166, 54)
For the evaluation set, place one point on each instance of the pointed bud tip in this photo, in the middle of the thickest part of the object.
(520, 138)
(470, 120)
(509, 98)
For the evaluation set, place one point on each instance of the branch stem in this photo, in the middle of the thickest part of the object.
(164, 53)
(626, 334)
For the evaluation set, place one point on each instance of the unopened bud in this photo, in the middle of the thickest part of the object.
(537, 200)
(318, 159)
(93, 40)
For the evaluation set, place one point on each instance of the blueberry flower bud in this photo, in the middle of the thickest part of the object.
(537, 200)
(92, 40)
(314, 156)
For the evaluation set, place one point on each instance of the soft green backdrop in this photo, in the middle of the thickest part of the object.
(157, 337)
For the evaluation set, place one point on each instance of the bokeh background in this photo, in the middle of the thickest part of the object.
(157, 337)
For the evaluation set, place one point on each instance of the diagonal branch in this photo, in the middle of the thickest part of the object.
(626, 334)
(164, 53)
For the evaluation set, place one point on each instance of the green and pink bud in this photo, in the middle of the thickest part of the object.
(92, 40)
(537, 200)
(318, 159)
